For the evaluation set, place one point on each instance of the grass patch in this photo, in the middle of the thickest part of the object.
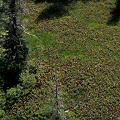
(84, 51)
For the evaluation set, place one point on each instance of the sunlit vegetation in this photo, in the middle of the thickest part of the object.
(76, 45)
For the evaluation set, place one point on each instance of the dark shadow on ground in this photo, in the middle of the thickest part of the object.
(57, 9)
(115, 14)
(52, 12)
(85, 1)
(64, 2)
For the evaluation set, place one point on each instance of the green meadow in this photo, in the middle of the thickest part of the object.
(76, 45)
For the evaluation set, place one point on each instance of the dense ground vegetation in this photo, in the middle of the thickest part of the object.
(76, 46)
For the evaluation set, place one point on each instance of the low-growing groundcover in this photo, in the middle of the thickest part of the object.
(76, 49)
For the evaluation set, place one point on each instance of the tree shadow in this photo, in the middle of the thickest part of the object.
(56, 10)
(52, 12)
(85, 1)
(115, 14)
(64, 2)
